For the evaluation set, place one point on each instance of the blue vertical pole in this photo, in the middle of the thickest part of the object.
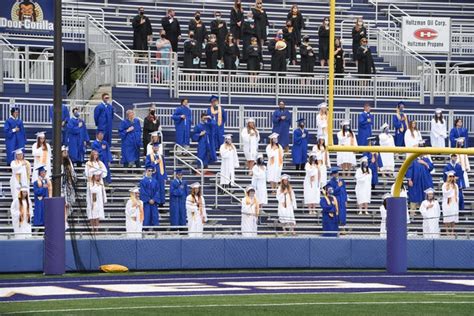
(397, 235)
(54, 237)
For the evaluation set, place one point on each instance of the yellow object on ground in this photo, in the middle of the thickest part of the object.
(113, 268)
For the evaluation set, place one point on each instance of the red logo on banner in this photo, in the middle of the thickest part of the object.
(425, 34)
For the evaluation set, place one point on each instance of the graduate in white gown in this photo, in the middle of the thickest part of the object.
(154, 139)
(259, 180)
(250, 139)
(41, 151)
(196, 211)
(21, 211)
(229, 161)
(96, 201)
(250, 212)
(431, 212)
(412, 136)
(383, 215)
(322, 122)
(363, 186)
(439, 132)
(134, 214)
(312, 182)
(320, 148)
(21, 173)
(386, 140)
(275, 160)
(463, 160)
(286, 205)
(346, 137)
(450, 204)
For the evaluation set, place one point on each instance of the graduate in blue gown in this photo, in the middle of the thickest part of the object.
(453, 165)
(149, 194)
(64, 120)
(400, 123)
(282, 120)
(103, 117)
(183, 120)
(206, 150)
(330, 212)
(339, 189)
(42, 189)
(179, 190)
(419, 179)
(366, 121)
(14, 134)
(374, 162)
(105, 155)
(158, 162)
(77, 138)
(458, 131)
(299, 152)
(131, 134)
(217, 114)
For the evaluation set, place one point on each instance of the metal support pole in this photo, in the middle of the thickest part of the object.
(397, 235)
(277, 87)
(332, 24)
(58, 101)
(86, 39)
(433, 82)
(149, 73)
(422, 87)
(27, 69)
(113, 69)
(374, 80)
(1, 69)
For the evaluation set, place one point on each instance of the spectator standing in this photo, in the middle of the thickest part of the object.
(339, 61)
(203, 135)
(219, 29)
(261, 22)
(250, 139)
(359, 32)
(134, 214)
(323, 34)
(330, 210)
(254, 56)
(296, 18)
(308, 58)
(199, 28)
(212, 52)
(289, 35)
(438, 132)
(142, 30)
(299, 151)
(248, 31)
(286, 205)
(151, 124)
(365, 61)
(179, 190)
(43, 189)
(236, 20)
(192, 55)
(163, 57)
(172, 28)
(388, 159)
(231, 53)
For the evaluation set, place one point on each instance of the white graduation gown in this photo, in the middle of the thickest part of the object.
(133, 225)
(37, 155)
(466, 167)
(438, 134)
(150, 151)
(322, 126)
(363, 186)
(346, 157)
(412, 141)
(95, 209)
(250, 144)
(388, 160)
(249, 219)
(89, 170)
(19, 177)
(273, 166)
(312, 182)
(383, 222)
(22, 229)
(195, 218)
(259, 182)
(450, 204)
(430, 218)
(286, 207)
(324, 154)
(323, 171)
(229, 162)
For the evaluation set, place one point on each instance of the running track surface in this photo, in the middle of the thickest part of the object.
(108, 286)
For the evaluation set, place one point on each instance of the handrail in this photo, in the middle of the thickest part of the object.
(122, 109)
(178, 158)
(218, 186)
(106, 32)
(391, 5)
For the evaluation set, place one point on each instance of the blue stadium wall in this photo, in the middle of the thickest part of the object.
(177, 254)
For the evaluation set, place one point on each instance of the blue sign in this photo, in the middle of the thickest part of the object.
(18, 16)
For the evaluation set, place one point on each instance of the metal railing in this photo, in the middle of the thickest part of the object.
(228, 191)
(177, 156)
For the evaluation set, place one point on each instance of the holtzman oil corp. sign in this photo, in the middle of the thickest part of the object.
(426, 34)
(26, 15)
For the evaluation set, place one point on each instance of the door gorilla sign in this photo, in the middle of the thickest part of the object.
(18, 16)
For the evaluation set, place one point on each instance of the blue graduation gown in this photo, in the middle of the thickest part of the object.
(399, 138)
(456, 133)
(103, 117)
(299, 152)
(206, 150)
(341, 195)
(460, 180)
(366, 120)
(105, 155)
(131, 141)
(183, 126)
(218, 131)
(64, 119)
(76, 139)
(330, 218)
(38, 211)
(374, 167)
(282, 127)
(13, 140)
(178, 193)
(159, 177)
(149, 190)
(422, 180)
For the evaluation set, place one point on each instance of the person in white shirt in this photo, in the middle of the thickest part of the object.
(320, 148)
(41, 151)
(286, 205)
(323, 170)
(439, 132)
(322, 122)
(229, 162)
(21, 212)
(346, 137)
(21, 173)
(259, 181)
(275, 160)
(383, 215)
(250, 139)
(250, 212)
(363, 186)
(450, 203)
(430, 211)
(96, 201)
(134, 214)
(388, 161)
(312, 181)
(154, 139)
(196, 211)
(412, 136)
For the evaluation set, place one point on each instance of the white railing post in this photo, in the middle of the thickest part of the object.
(86, 39)
(277, 87)
(241, 121)
(374, 80)
(27, 69)
(433, 82)
(422, 87)
(1, 68)
(149, 72)
(113, 69)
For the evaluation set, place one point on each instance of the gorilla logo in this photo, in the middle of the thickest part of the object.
(26, 10)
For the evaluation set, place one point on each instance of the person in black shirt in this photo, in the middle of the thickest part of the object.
(358, 32)
(289, 35)
(339, 61)
(236, 20)
(231, 53)
(142, 30)
(308, 57)
(297, 21)
(171, 26)
(151, 124)
(248, 31)
(197, 26)
(191, 52)
(219, 29)
(261, 22)
(254, 53)
(365, 62)
(212, 52)
(278, 48)
(323, 33)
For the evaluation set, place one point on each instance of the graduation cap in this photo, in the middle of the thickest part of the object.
(450, 173)
(18, 151)
(134, 190)
(322, 105)
(213, 97)
(273, 135)
(41, 169)
(372, 139)
(260, 156)
(14, 109)
(438, 111)
(155, 133)
(429, 190)
(178, 171)
(228, 136)
(195, 185)
(460, 140)
(361, 160)
(41, 134)
(285, 177)
(99, 130)
(345, 123)
(64, 148)
(334, 170)
(25, 189)
(250, 120)
(386, 196)
(400, 104)
(384, 126)
(301, 120)
(249, 188)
